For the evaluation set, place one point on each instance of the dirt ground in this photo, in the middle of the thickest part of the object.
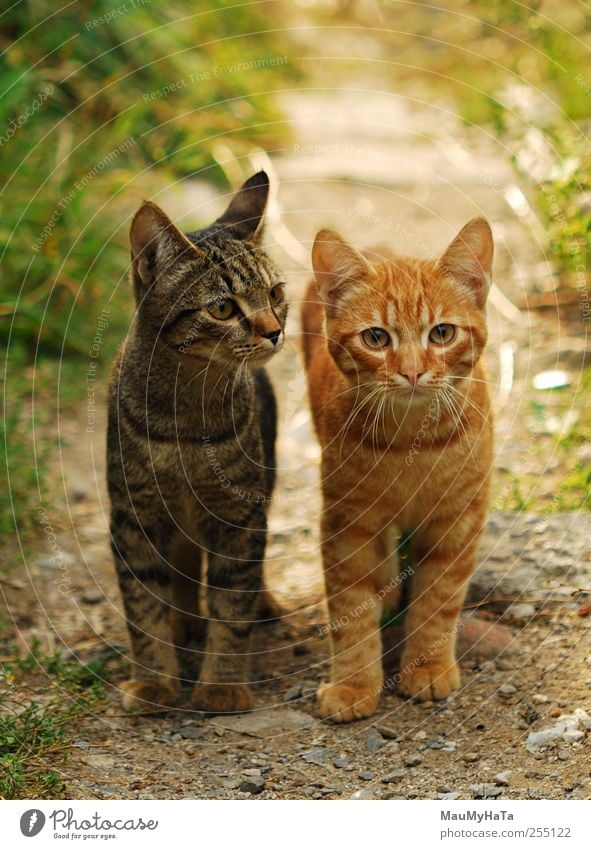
(377, 170)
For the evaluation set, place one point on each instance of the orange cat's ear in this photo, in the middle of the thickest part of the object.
(469, 258)
(337, 265)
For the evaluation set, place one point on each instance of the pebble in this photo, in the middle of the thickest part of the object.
(253, 785)
(413, 760)
(532, 793)
(192, 732)
(394, 777)
(502, 779)
(507, 690)
(485, 791)
(471, 757)
(365, 793)
(387, 732)
(448, 796)
(366, 775)
(318, 755)
(231, 783)
(293, 693)
(539, 699)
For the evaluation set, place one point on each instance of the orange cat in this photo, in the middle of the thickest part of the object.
(402, 412)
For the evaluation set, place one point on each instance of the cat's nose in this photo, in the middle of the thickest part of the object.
(273, 336)
(413, 377)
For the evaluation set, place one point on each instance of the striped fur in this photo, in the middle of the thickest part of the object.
(191, 448)
(406, 436)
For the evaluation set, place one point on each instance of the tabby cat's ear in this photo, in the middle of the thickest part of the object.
(337, 265)
(156, 244)
(243, 219)
(469, 259)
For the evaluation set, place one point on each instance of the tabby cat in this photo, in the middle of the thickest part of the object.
(191, 447)
(401, 408)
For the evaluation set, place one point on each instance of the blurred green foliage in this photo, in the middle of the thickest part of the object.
(91, 99)
(100, 106)
(523, 69)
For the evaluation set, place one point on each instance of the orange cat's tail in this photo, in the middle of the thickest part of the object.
(312, 316)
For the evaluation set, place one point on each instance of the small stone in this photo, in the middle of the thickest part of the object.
(192, 732)
(387, 732)
(502, 779)
(341, 763)
(373, 743)
(365, 793)
(471, 757)
(421, 735)
(532, 793)
(394, 777)
(231, 783)
(539, 699)
(448, 796)
(413, 760)
(521, 611)
(507, 690)
(366, 775)
(92, 597)
(317, 755)
(252, 785)
(485, 791)
(563, 754)
(293, 693)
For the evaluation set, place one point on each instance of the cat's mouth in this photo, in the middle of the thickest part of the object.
(263, 353)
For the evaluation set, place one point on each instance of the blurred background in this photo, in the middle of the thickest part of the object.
(389, 120)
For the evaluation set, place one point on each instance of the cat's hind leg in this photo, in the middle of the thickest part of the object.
(188, 626)
(388, 572)
(234, 578)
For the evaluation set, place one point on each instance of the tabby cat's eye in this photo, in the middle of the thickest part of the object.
(441, 334)
(223, 309)
(276, 295)
(375, 337)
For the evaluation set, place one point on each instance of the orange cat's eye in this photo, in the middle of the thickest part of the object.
(441, 334)
(223, 309)
(276, 295)
(375, 337)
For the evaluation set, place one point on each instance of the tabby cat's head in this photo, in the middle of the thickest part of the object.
(409, 327)
(212, 294)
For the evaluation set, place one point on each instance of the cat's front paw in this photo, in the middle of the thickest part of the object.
(429, 681)
(147, 694)
(344, 703)
(222, 698)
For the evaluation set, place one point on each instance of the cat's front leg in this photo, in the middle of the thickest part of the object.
(445, 556)
(234, 578)
(145, 581)
(351, 559)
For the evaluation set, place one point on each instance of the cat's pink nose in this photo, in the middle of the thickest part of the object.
(413, 377)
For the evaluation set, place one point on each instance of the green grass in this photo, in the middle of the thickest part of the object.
(36, 735)
(570, 451)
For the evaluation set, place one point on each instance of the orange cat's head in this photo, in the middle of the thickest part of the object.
(408, 326)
